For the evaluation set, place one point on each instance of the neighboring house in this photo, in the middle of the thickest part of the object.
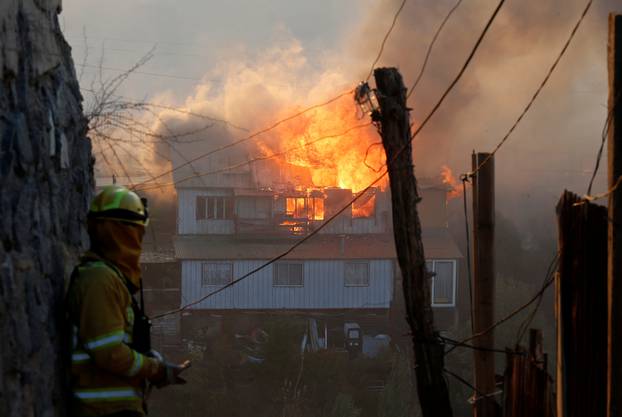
(229, 227)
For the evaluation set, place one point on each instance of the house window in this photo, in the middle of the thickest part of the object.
(365, 206)
(296, 207)
(216, 274)
(214, 208)
(443, 282)
(288, 275)
(356, 274)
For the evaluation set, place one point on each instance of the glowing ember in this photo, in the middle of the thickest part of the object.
(448, 178)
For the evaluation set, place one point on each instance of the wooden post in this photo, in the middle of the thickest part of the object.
(528, 387)
(614, 150)
(539, 399)
(484, 282)
(581, 308)
(395, 120)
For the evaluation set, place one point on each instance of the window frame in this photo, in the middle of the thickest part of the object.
(203, 268)
(345, 266)
(213, 206)
(454, 263)
(289, 285)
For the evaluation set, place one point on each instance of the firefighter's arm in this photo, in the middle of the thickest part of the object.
(102, 331)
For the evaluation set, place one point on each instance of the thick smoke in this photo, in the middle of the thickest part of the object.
(555, 145)
(553, 148)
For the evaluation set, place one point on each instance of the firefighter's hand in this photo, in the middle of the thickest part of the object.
(171, 374)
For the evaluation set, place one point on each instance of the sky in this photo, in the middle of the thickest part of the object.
(554, 147)
(192, 37)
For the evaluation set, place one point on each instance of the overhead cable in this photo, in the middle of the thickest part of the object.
(362, 192)
(537, 92)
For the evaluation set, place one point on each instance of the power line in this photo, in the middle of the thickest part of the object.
(457, 344)
(150, 42)
(271, 261)
(257, 159)
(547, 284)
(431, 46)
(252, 136)
(142, 104)
(537, 93)
(522, 329)
(276, 124)
(384, 40)
(465, 382)
(601, 195)
(149, 73)
(361, 193)
(160, 53)
(604, 134)
(462, 70)
(130, 153)
(121, 70)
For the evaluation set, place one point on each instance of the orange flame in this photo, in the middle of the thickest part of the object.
(448, 178)
(365, 206)
(332, 143)
(311, 208)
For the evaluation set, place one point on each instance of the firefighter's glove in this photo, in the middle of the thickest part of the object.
(156, 355)
(171, 374)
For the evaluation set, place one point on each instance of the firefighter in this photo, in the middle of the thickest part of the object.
(112, 367)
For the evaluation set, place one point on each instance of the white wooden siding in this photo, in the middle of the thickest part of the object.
(355, 225)
(323, 287)
(187, 223)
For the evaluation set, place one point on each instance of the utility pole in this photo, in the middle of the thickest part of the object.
(614, 150)
(581, 308)
(484, 282)
(395, 131)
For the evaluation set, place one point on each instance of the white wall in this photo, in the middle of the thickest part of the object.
(323, 287)
(187, 224)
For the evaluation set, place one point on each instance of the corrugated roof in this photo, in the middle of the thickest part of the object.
(438, 244)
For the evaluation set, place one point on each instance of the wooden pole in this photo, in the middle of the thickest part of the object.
(528, 388)
(614, 149)
(395, 122)
(581, 308)
(484, 282)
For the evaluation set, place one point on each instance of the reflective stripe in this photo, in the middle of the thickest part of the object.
(109, 339)
(80, 357)
(107, 394)
(136, 365)
(74, 334)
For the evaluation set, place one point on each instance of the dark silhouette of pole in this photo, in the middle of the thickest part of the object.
(581, 304)
(396, 137)
(484, 283)
(614, 150)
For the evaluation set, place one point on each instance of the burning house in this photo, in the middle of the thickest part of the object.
(229, 224)
(240, 206)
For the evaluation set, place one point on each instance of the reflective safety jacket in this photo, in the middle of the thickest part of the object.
(108, 376)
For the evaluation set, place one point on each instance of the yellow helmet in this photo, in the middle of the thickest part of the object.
(118, 203)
